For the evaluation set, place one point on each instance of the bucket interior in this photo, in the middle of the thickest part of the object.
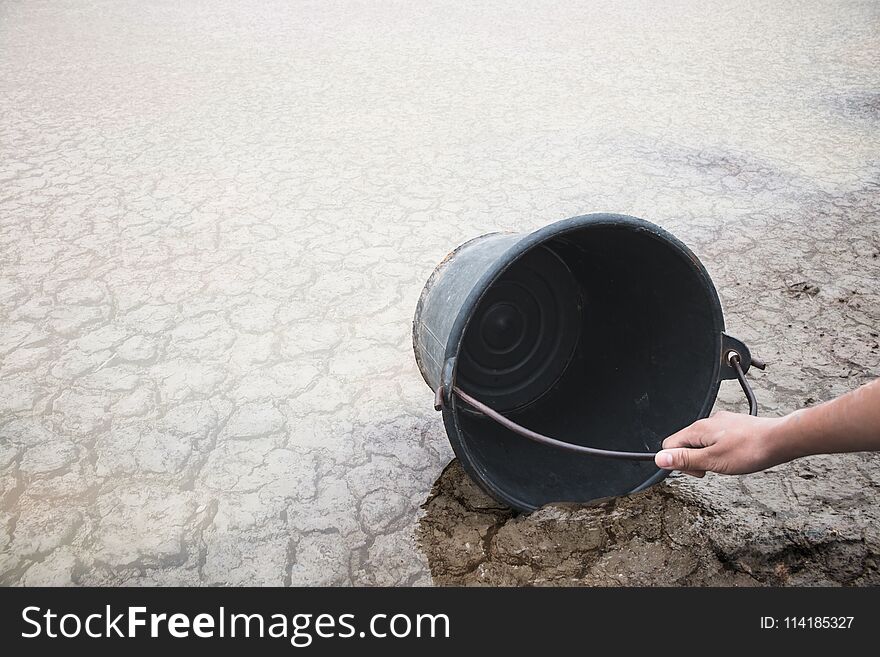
(607, 336)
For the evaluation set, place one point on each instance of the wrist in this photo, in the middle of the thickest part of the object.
(786, 439)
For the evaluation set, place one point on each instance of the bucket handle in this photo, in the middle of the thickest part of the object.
(732, 358)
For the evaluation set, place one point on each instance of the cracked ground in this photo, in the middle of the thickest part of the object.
(216, 219)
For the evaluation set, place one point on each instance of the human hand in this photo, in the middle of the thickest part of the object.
(729, 443)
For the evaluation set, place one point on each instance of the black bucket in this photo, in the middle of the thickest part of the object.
(602, 331)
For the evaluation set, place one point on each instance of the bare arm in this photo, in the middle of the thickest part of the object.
(730, 443)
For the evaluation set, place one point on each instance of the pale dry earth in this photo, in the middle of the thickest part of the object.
(216, 218)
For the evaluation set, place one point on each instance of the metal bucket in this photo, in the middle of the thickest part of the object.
(551, 352)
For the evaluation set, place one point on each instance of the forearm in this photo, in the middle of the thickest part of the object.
(850, 423)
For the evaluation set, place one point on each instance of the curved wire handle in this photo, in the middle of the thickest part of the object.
(733, 359)
(547, 440)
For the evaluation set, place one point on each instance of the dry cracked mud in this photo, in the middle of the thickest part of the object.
(216, 219)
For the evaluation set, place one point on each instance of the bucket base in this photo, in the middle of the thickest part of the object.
(523, 333)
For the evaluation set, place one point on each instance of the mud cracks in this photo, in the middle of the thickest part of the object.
(664, 536)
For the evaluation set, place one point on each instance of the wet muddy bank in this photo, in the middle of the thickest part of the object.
(677, 533)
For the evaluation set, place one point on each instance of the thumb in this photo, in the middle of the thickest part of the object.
(683, 458)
